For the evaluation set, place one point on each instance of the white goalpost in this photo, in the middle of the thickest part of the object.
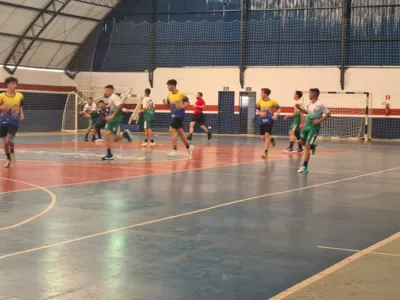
(351, 115)
(71, 121)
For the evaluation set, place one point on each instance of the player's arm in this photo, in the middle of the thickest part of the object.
(325, 117)
(21, 110)
(301, 120)
(144, 108)
(118, 103)
(259, 112)
(202, 107)
(166, 102)
(298, 106)
(185, 102)
(277, 112)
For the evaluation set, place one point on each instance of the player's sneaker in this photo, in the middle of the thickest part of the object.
(13, 158)
(173, 153)
(289, 150)
(108, 157)
(128, 135)
(152, 144)
(265, 155)
(303, 170)
(300, 150)
(189, 137)
(86, 139)
(313, 148)
(93, 138)
(98, 140)
(273, 142)
(190, 151)
(8, 164)
(209, 135)
(145, 144)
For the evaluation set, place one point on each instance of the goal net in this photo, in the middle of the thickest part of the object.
(72, 121)
(350, 115)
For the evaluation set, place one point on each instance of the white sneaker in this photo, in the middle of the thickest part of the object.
(8, 164)
(152, 144)
(13, 158)
(98, 140)
(145, 144)
(303, 170)
(173, 153)
(190, 151)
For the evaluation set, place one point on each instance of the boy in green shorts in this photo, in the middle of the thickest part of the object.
(317, 113)
(114, 121)
(87, 111)
(296, 126)
(148, 114)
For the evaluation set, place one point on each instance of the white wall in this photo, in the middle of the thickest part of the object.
(282, 81)
(28, 76)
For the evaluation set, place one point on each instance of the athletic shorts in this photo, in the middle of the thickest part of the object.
(4, 131)
(294, 127)
(310, 134)
(113, 126)
(177, 123)
(198, 119)
(148, 124)
(266, 128)
(101, 124)
(93, 121)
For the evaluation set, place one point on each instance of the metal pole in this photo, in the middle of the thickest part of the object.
(153, 33)
(243, 41)
(346, 14)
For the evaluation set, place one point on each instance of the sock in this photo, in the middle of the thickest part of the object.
(109, 152)
(145, 140)
(12, 150)
(152, 141)
(175, 148)
(266, 150)
(291, 145)
(190, 134)
(300, 146)
(8, 155)
(187, 146)
(87, 134)
(305, 164)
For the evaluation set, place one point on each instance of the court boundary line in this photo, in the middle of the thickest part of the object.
(169, 172)
(354, 250)
(198, 212)
(53, 200)
(303, 284)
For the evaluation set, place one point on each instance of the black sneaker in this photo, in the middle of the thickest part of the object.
(108, 157)
(300, 150)
(189, 137)
(313, 148)
(93, 138)
(128, 135)
(209, 135)
(289, 150)
(86, 139)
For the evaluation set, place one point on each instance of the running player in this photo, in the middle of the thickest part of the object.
(198, 116)
(87, 111)
(114, 121)
(11, 113)
(177, 102)
(103, 113)
(317, 113)
(148, 113)
(268, 111)
(296, 126)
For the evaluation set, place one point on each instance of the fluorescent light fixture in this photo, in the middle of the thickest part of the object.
(35, 69)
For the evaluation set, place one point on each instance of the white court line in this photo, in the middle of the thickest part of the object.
(335, 267)
(354, 250)
(198, 212)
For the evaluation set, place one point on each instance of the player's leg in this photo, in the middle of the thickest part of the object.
(12, 131)
(292, 137)
(146, 138)
(3, 134)
(297, 135)
(305, 141)
(107, 138)
(174, 140)
(182, 135)
(191, 128)
(205, 129)
(88, 132)
(150, 133)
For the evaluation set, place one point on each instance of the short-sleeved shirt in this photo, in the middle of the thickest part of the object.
(149, 105)
(11, 117)
(196, 110)
(297, 113)
(268, 107)
(176, 102)
(113, 102)
(89, 108)
(315, 111)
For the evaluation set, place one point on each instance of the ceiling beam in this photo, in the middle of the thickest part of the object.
(111, 4)
(48, 11)
(40, 39)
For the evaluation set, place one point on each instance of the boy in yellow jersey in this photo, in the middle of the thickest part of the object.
(11, 113)
(177, 102)
(268, 111)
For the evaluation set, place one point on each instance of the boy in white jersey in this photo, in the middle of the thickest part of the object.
(317, 113)
(88, 109)
(296, 126)
(148, 114)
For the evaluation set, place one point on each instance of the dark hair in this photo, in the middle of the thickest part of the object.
(100, 101)
(315, 91)
(267, 91)
(111, 87)
(172, 82)
(200, 93)
(10, 80)
(147, 91)
(90, 98)
(299, 94)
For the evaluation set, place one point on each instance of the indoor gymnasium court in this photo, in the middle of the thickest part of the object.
(226, 219)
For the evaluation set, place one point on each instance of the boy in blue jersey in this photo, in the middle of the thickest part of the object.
(268, 111)
(177, 102)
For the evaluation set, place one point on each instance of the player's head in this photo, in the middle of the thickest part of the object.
(11, 83)
(109, 90)
(298, 95)
(90, 100)
(314, 94)
(101, 104)
(199, 95)
(265, 93)
(172, 83)
(147, 92)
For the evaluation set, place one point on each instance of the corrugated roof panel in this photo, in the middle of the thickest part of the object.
(31, 3)
(5, 47)
(63, 57)
(68, 29)
(14, 20)
(86, 10)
